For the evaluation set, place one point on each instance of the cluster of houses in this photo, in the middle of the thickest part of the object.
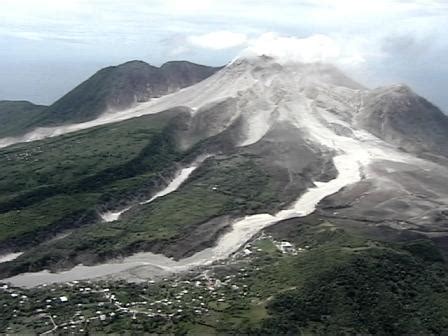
(26, 156)
(284, 247)
(76, 306)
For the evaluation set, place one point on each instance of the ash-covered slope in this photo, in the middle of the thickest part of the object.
(399, 116)
(119, 87)
(285, 139)
(385, 187)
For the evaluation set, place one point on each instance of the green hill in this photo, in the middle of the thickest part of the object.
(113, 88)
(15, 116)
(119, 87)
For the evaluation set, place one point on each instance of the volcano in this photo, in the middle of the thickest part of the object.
(256, 143)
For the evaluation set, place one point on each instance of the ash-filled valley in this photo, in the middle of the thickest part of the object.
(263, 197)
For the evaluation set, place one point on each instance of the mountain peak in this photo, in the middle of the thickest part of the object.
(180, 63)
(398, 115)
(134, 64)
(399, 88)
(308, 74)
(120, 87)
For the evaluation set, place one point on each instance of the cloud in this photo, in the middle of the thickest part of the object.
(43, 36)
(316, 48)
(389, 40)
(218, 40)
(190, 6)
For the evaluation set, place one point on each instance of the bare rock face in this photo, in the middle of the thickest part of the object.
(402, 118)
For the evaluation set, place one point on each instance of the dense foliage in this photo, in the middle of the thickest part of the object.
(381, 292)
(45, 181)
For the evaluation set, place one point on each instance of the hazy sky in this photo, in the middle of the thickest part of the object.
(49, 46)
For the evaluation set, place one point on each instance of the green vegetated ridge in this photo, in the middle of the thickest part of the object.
(346, 284)
(102, 91)
(336, 283)
(60, 184)
(17, 116)
(44, 181)
(113, 88)
(227, 185)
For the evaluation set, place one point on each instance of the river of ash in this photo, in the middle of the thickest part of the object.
(146, 265)
(178, 180)
(9, 257)
(298, 108)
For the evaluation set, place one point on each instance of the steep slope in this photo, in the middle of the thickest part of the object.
(119, 87)
(256, 83)
(400, 117)
(16, 116)
(286, 139)
(312, 197)
(51, 186)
